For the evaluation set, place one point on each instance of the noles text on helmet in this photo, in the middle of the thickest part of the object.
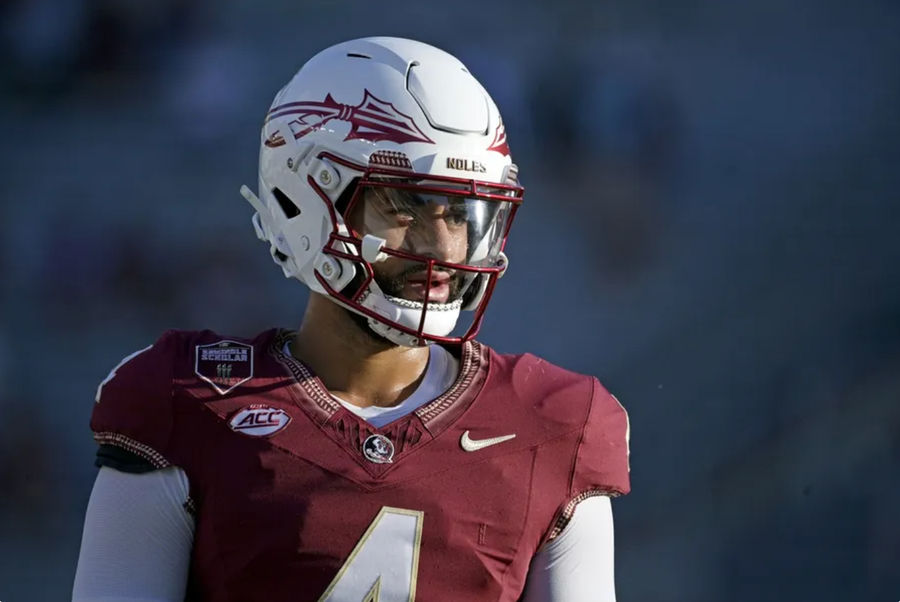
(386, 184)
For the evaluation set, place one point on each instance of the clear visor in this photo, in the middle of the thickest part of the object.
(449, 228)
(436, 240)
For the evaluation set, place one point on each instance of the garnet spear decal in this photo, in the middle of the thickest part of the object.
(499, 143)
(372, 119)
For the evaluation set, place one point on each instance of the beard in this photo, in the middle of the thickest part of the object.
(393, 286)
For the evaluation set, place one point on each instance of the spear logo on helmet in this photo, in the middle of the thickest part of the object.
(499, 143)
(372, 119)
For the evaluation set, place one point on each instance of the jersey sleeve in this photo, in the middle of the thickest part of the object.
(602, 457)
(601, 464)
(133, 409)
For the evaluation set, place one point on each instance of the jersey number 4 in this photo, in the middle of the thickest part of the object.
(385, 562)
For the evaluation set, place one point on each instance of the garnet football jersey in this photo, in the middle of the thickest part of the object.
(296, 498)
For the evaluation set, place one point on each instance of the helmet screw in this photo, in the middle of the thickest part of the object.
(304, 241)
(290, 163)
(325, 177)
(326, 269)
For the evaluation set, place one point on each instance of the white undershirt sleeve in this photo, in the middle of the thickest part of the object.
(577, 566)
(137, 538)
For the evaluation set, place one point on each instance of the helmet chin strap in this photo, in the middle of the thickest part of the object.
(440, 318)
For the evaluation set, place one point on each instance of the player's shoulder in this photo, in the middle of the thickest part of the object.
(527, 366)
(550, 401)
(556, 393)
(177, 353)
(138, 401)
(143, 382)
(193, 347)
(223, 361)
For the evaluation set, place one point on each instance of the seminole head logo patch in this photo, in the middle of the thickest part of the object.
(378, 449)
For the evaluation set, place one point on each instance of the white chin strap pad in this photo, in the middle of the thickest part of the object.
(440, 319)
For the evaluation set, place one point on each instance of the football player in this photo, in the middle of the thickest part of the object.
(378, 452)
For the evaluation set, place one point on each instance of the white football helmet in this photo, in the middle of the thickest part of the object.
(385, 183)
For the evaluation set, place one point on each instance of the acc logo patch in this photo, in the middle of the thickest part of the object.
(259, 420)
(224, 365)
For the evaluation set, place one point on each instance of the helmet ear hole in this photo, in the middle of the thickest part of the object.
(289, 208)
(344, 200)
(472, 296)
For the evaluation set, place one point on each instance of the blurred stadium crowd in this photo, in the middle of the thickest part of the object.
(709, 226)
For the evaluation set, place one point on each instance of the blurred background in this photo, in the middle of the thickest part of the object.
(710, 227)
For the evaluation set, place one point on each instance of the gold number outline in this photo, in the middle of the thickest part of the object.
(417, 544)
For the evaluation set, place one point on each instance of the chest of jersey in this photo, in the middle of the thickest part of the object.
(297, 499)
(299, 516)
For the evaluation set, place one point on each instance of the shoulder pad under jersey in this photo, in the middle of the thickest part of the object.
(602, 457)
(133, 408)
(560, 402)
(602, 461)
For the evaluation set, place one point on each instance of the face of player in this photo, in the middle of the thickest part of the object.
(432, 226)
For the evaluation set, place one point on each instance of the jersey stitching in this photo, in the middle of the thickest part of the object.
(304, 376)
(189, 503)
(313, 389)
(587, 421)
(147, 453)
(561, 517)
(172, 407)
(566, 516)
(524, 526)
(471, 362)
(136, 447)
(569, 509)
(471, 356)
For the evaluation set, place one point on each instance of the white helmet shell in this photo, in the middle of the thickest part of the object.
(391, 106)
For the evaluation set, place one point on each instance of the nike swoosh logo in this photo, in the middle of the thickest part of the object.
(471, 445)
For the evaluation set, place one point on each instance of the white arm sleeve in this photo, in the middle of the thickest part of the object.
(137, 542)
(577, 566)
(137, 538)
